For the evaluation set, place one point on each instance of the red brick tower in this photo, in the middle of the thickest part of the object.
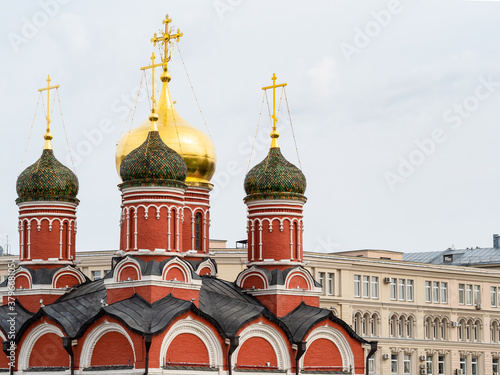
(47, 227)
(275, 198)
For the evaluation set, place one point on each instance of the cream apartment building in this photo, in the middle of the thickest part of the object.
(429, 319)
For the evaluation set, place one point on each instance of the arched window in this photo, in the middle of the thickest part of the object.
(436, 330)
(476, 330)
(409, 326)
(392, 325)
(197, 231)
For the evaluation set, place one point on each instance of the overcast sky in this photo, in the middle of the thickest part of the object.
(394, 104)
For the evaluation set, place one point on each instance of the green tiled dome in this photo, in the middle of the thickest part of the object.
(47, 180)
(153, 163)
(275, 178)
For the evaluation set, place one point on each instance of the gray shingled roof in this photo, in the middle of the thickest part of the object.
(459, 257)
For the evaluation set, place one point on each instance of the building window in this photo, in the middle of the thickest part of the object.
(409, 290)
(477, 295)
(197, 231)
(435, 292)
(329, 284)
(444, 292)
(402, 288)
(430, 365)
(407, 364)
(473, 366)
(321, 278)
(461, 294)
(493, 296)
(371, 365)
(441, 365)
(427, 291)
(96, 275)
(357, 286)
(394, 290)
(366, 287)
(375, 287)
(495, 367)
(468, 295)
(463, 365)
(394, 363)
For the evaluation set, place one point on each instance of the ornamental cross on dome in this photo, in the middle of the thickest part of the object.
(152, 67)
(48, 136)
(274, 133)
(166, 38)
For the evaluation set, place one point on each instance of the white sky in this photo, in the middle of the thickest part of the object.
(359, 105)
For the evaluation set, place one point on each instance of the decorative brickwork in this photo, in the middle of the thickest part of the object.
(47, 180)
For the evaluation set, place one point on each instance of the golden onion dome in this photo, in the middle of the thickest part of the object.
(195, 147)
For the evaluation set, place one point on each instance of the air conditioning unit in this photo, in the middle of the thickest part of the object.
(423, 372)
(459, 371)
(387, 280)
(386, 356)
(478, 306)
(423, 357)
(454, 324)
(495, 373)
(422, 365)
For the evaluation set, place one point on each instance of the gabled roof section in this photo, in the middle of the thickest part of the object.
(153, 267)
(301, 320)
(17, 315)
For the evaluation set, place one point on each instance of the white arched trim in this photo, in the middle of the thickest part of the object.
(207, 264)
(94, 337)
(337, 338)
(31, 339)
(300, 273)
(21, 272)
(67, 271)
(240, 280)
(130, 262)
(181, 265)
(200, 330)
(272, 336)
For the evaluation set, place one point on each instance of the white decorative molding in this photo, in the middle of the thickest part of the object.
(93, 338)
(200, 330)
(272, 336)
(30, 341)
(337, 338)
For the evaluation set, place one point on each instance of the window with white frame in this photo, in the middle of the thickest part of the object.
(394, 363)
(357, 285)
(375, 287)
(407, 364)
(321, 278)
(329, 283)
(477, 295)
(366, 286)
(461, 294)
(494, 364)
(435, 292)
(394, 290)
(402, 289)
(444, 292)
(463, 365)
(493, 296)
(427, 291)
(409, 290)
(441, 365)
(371, 365)
(468, 294)
(474, 366)
(96, 275)
(429, 363)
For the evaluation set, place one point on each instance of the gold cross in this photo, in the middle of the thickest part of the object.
(166, 37)
(152, 67)
(274, 133)
(48, 136)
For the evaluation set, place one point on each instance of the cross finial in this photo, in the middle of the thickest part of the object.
(166, 38)
(153, 117)
(274, 132)
(48, 135)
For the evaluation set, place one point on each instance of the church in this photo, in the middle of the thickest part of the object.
(161, 309)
